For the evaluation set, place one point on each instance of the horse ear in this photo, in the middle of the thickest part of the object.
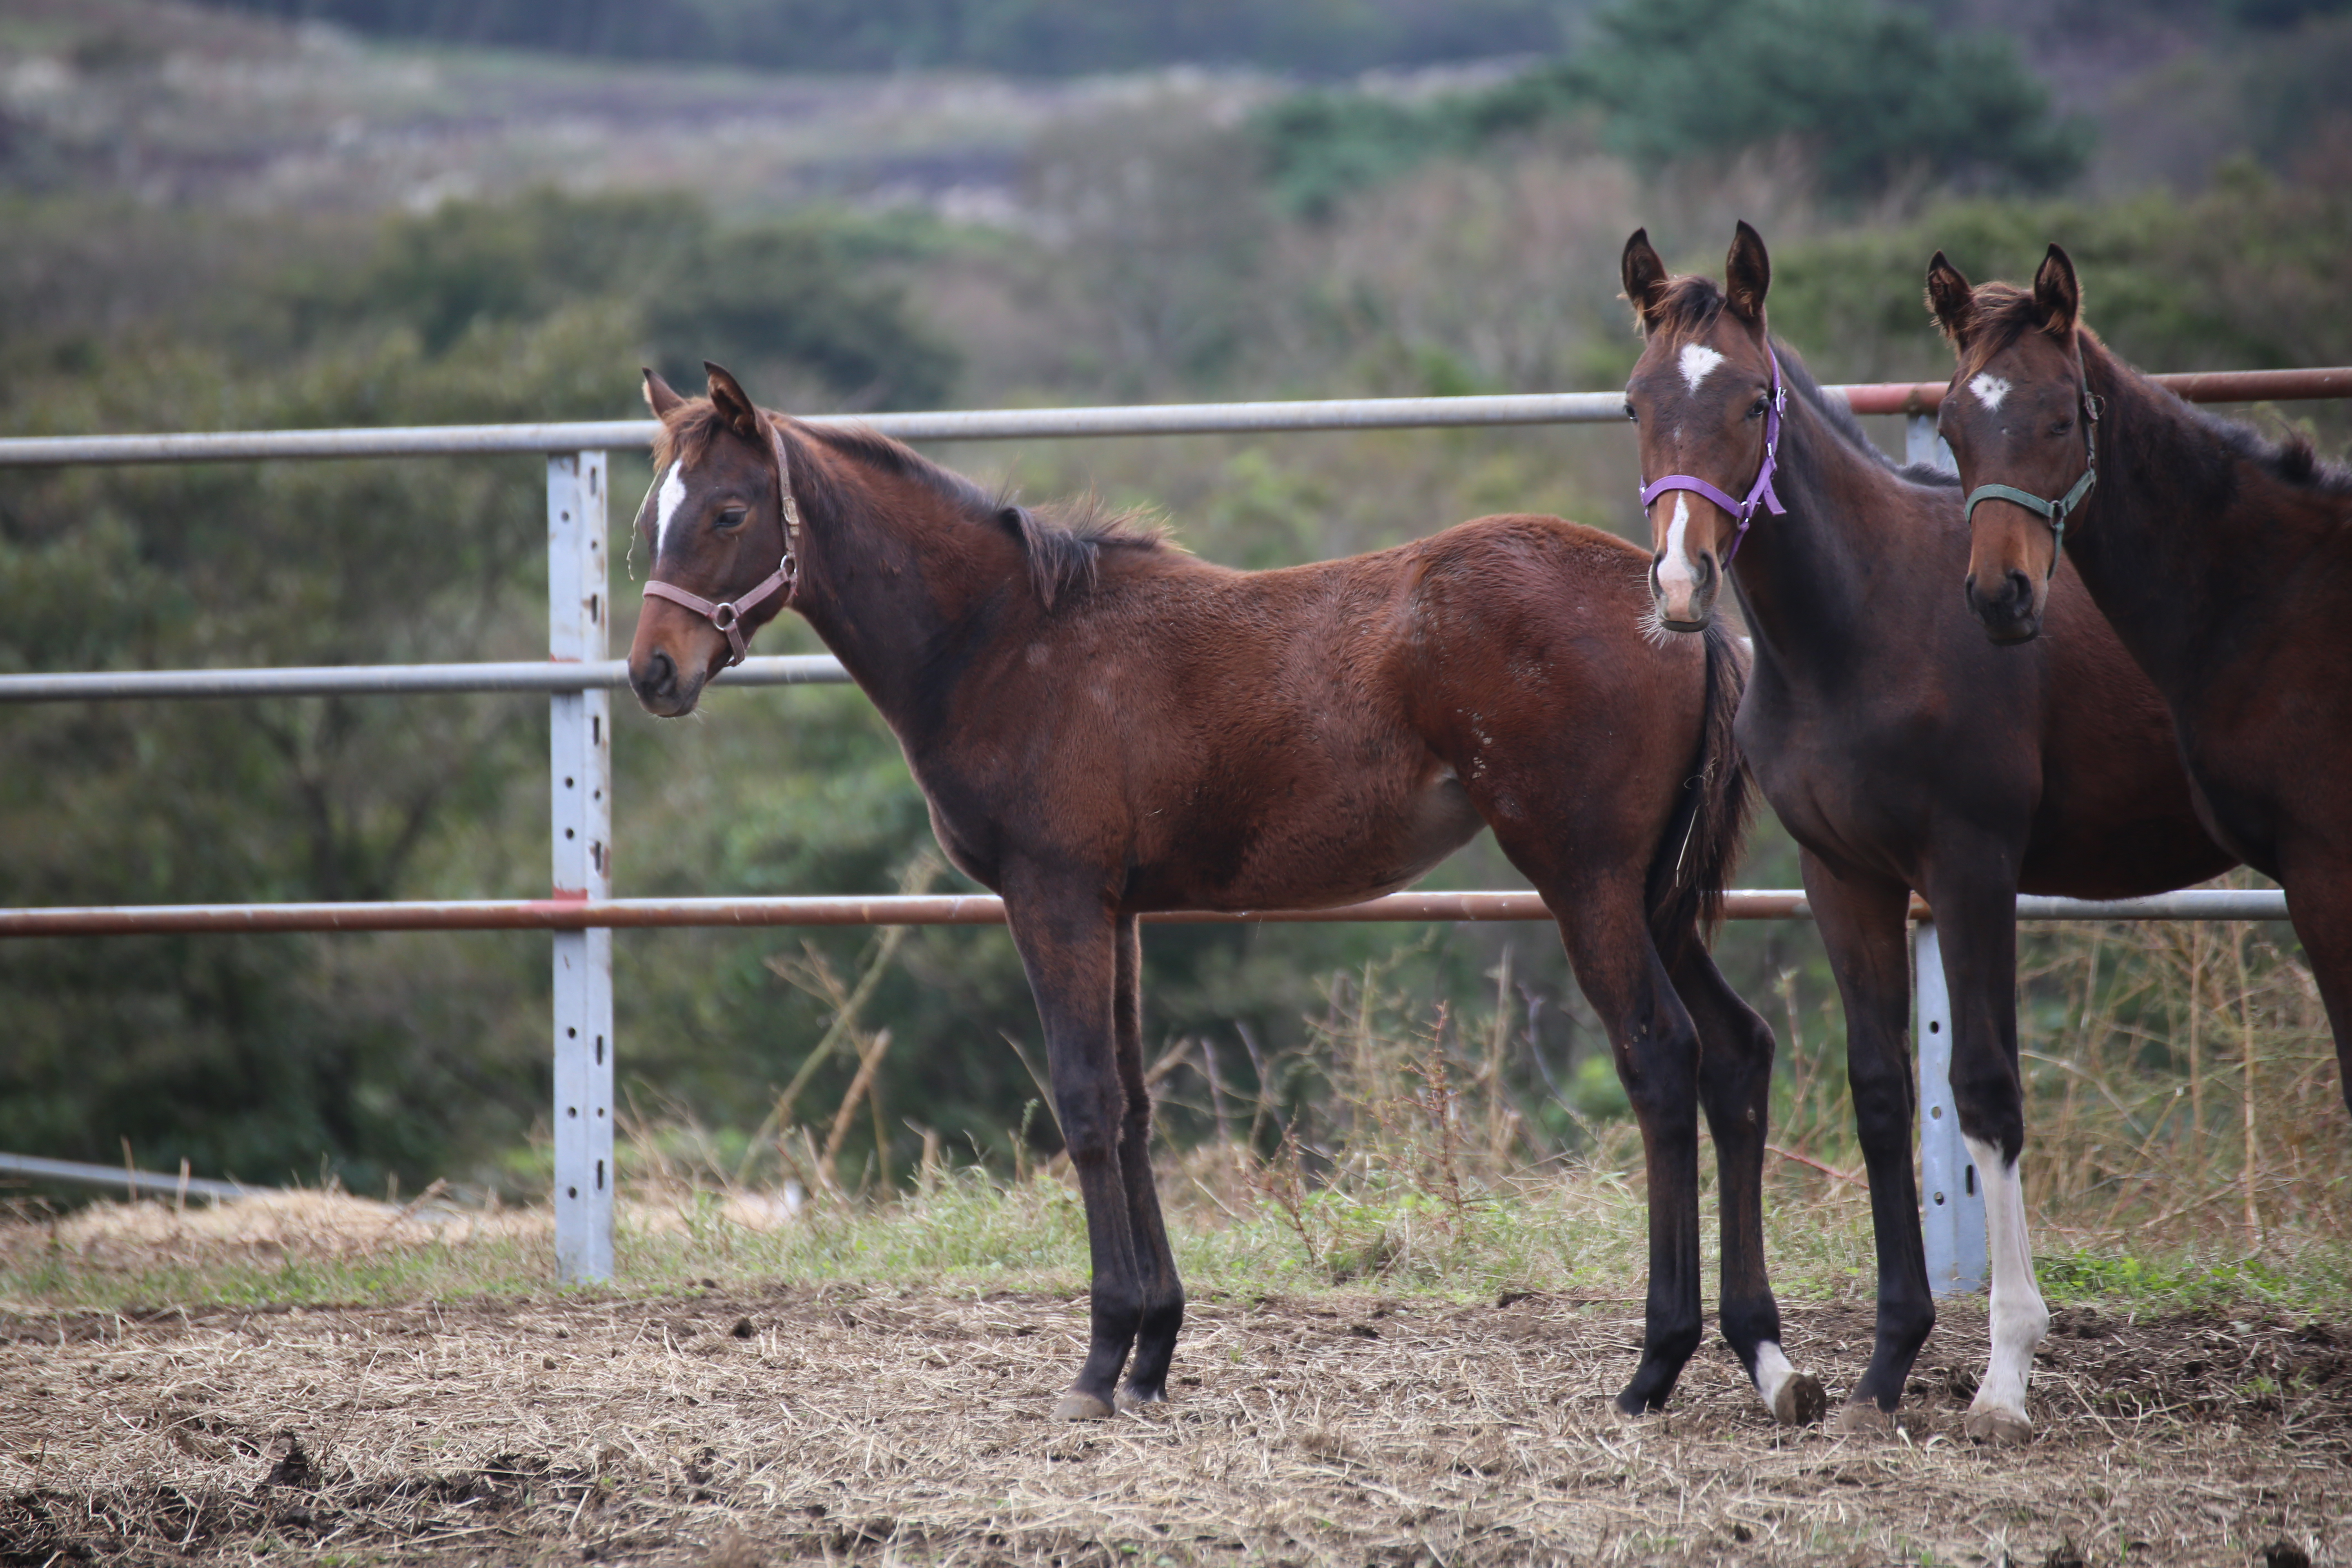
(1746, 273)
(2058, 293)
(659, 395)
(1950, 296)
(726, 396)
(1644, 276)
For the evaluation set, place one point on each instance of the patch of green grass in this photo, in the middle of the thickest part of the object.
(1583, 1233)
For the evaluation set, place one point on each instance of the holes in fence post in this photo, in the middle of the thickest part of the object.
(1970, 1176)
(599, 1176)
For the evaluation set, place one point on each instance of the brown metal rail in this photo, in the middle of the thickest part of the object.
(2195, 386)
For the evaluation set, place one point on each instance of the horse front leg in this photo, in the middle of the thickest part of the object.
(1163, 1292)
(1065, 934)
(1862, 925)
(1976, 922)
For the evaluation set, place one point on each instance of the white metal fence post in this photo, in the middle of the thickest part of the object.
(1921, 443)
(1951, 1199)
(580, 750)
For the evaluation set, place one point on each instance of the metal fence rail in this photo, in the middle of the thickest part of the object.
(980, 909)
(578, 678)
(1047, 424)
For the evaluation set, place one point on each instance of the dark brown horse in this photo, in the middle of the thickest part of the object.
(2224, 560)
(1903, 752)
(1103, 725)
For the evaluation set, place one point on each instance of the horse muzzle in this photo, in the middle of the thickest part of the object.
(664, 690)
(2012, 614)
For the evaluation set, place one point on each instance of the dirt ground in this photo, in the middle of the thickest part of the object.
(846, 1425)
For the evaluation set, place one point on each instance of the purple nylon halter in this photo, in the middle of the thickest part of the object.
(1760, 494)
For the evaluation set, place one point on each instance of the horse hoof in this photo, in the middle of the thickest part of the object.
(2001, 1429)
(1133, 1398)
(1078, 1407)
(1862, 1418)
(1802, 1400)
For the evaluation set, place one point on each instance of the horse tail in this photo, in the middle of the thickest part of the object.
(1700, 850)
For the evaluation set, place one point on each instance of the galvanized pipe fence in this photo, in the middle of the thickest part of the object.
(582, 914)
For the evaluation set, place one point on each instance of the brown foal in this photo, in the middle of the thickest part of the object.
(1103, 725)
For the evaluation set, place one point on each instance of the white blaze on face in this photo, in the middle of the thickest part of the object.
(1989, 389)
(1676, 581)
(1696, 361)
(2019, 1317)
(666, 501)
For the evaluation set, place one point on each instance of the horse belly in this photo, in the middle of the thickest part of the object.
(1329, 850)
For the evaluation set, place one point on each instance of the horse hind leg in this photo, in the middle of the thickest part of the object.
(1163, 1292)
(1736, 1091)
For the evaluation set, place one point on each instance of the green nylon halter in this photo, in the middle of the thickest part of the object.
(2053, 512)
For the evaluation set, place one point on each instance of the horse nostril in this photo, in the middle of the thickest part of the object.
(2021, 590)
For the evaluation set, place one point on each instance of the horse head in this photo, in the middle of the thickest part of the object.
(1707, 393)
(2022, 425)
(718, 525)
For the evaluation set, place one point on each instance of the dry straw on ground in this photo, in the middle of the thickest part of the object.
(846, 1424)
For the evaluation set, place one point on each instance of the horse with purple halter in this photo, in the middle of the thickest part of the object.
(1104, 727)
(1901, 751)
(2224, 558)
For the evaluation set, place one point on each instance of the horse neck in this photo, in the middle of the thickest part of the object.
(894, 579)
(2164, 541)
(1799, 574)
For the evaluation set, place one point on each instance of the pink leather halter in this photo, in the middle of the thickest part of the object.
(728, 614)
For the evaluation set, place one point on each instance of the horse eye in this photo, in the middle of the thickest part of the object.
(1631, 415)
(1762, 402)
(2060, 426)
(733, 516)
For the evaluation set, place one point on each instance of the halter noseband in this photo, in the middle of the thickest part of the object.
(2055, 512)
(1760, 494)
(728, 614)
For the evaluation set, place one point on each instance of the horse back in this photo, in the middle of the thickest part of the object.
(1218, 739)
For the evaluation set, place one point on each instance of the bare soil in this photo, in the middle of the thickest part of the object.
(850, 1425)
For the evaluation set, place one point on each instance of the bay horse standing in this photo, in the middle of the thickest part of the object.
(1103, 725)
(1901, 751)
(2223, 559)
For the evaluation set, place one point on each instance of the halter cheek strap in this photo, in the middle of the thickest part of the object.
(728, 614)
(1760, 494)
(2053, 512)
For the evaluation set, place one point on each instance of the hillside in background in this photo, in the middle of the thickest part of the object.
(1021, 38)
(213, 219)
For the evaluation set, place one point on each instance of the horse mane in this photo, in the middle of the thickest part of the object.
(1062, 545)
(2001, 313)
(2290, 459)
